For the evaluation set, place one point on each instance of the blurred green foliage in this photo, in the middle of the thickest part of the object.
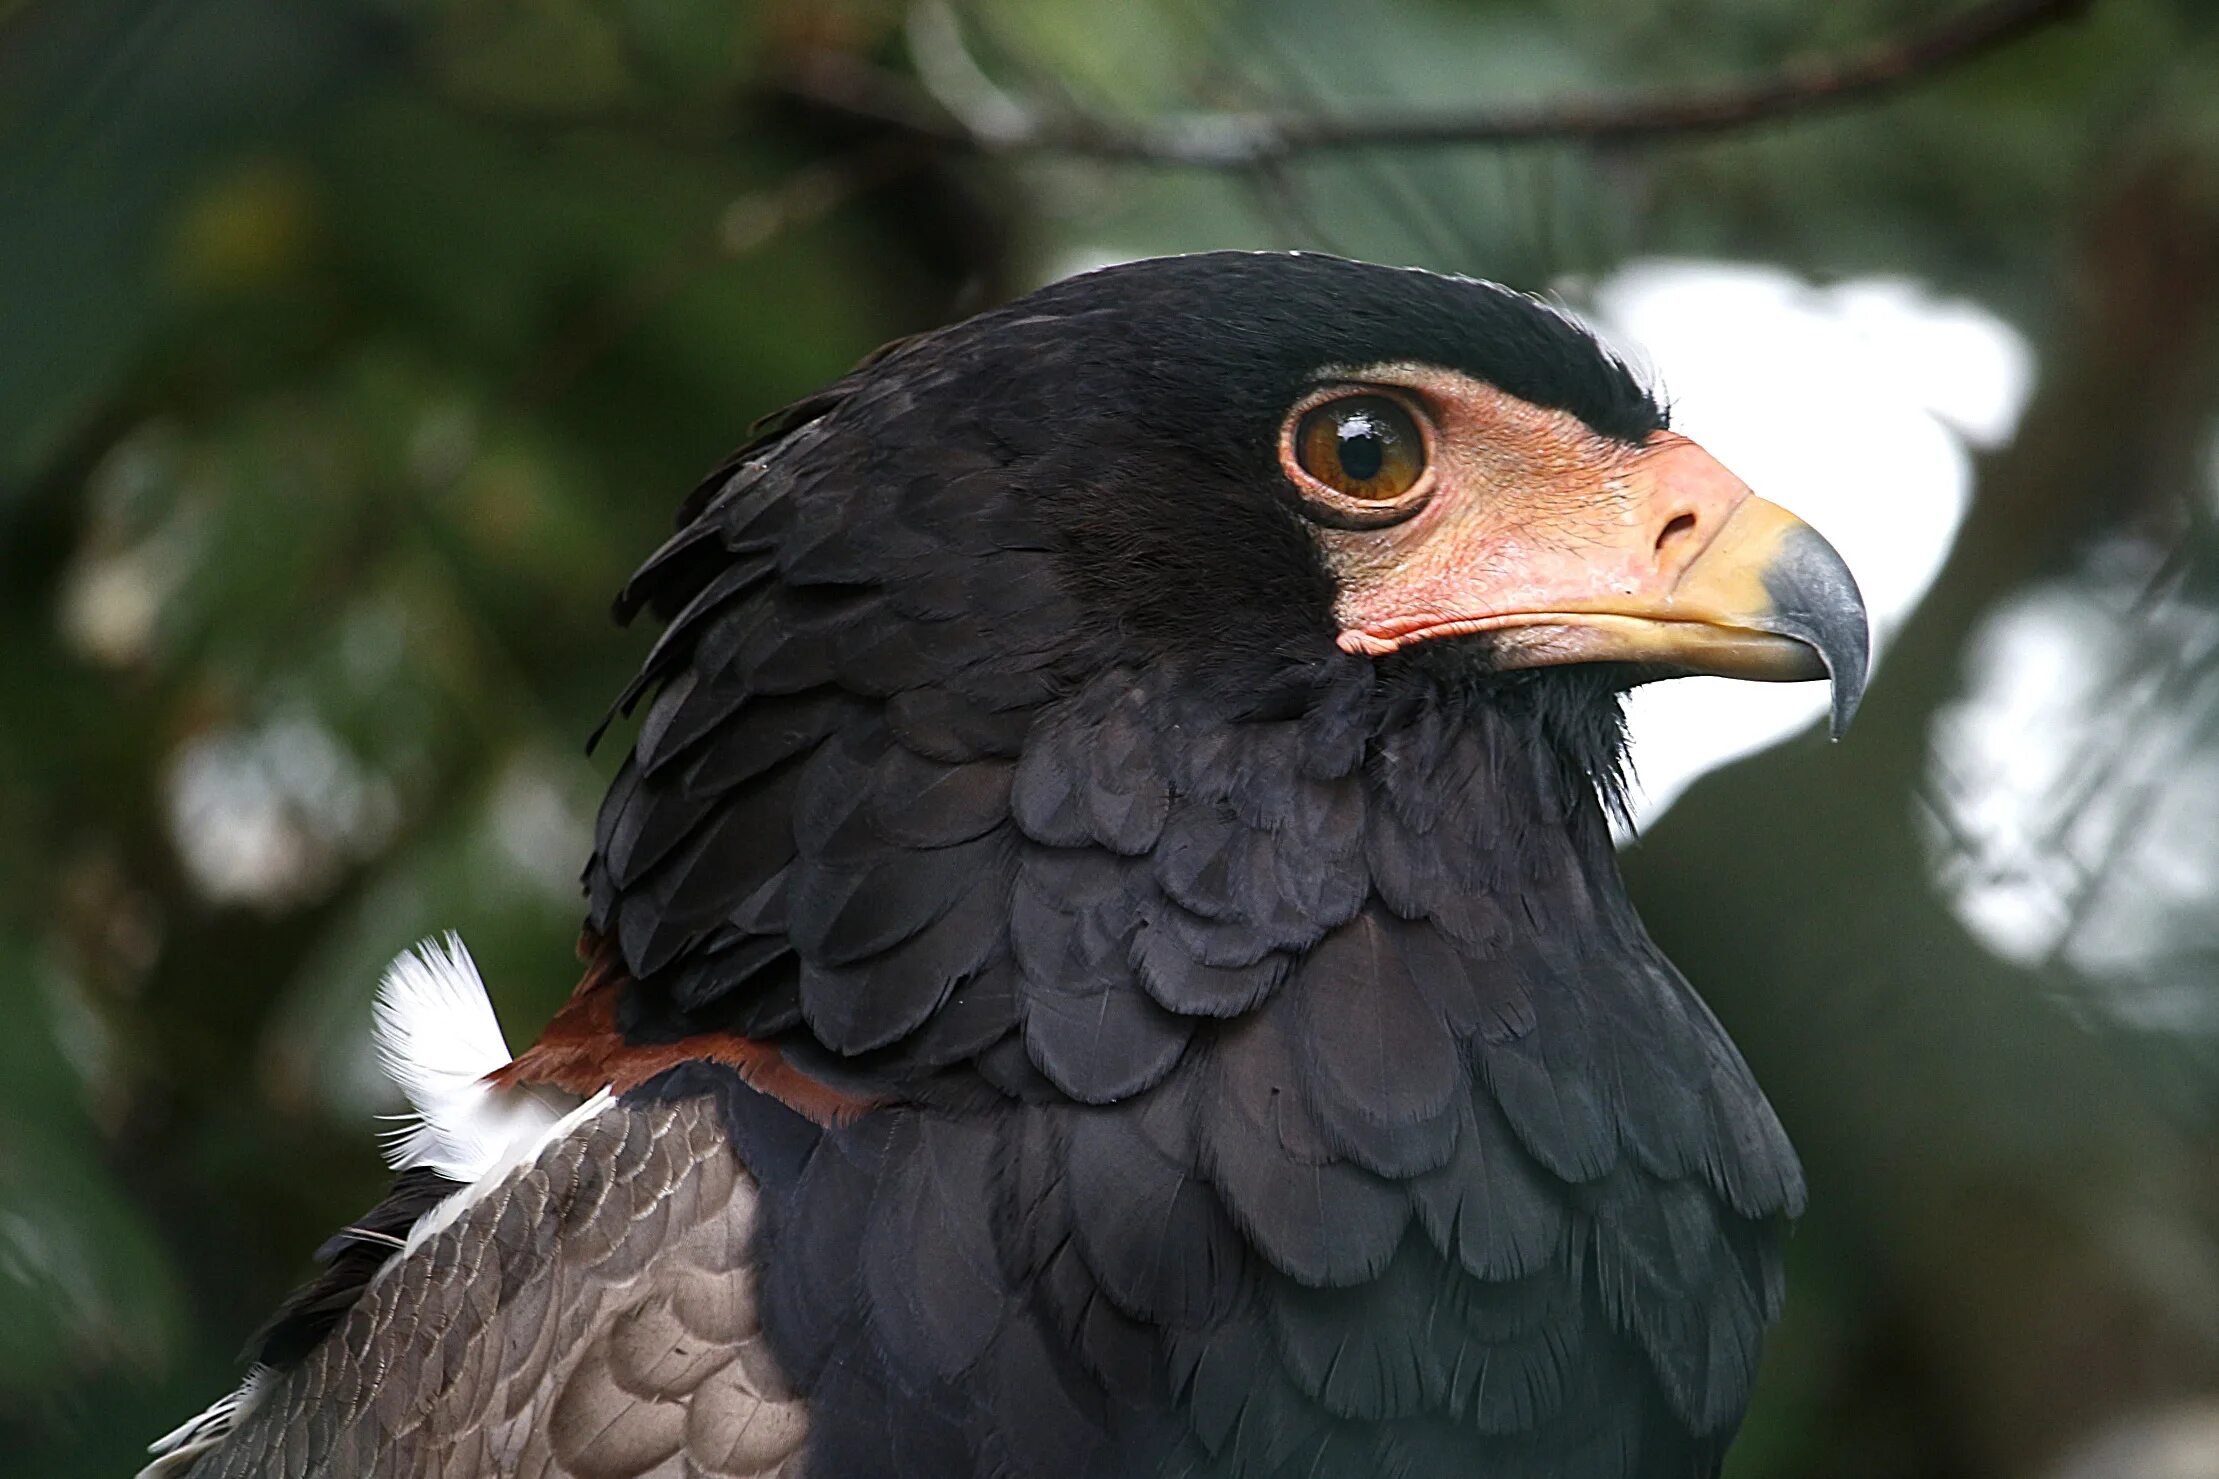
(352, 354)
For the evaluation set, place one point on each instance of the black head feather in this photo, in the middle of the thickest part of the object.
(1162, 410)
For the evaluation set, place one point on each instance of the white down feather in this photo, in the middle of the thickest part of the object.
(437, 1039)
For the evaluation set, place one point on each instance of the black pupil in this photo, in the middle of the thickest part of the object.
(1363, 446)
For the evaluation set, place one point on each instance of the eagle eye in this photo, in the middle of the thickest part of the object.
(1365, 447)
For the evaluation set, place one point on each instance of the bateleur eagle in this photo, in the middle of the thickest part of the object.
(1105, 957)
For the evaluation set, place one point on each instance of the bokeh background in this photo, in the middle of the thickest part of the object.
(351, 354)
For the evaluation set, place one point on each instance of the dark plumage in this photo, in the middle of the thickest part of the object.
(1244, 1058)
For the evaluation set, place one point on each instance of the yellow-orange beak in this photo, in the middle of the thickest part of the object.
(1664, 559)
(1768, 598)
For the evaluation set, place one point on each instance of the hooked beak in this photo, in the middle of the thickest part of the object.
(1768, 599)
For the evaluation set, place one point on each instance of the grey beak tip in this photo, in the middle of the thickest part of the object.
(1815, 600)
(1847, 696)
(1845, 645)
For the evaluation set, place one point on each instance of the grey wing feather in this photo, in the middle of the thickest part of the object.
(590, 1316)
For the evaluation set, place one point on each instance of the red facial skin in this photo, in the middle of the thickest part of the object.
(1576, 546)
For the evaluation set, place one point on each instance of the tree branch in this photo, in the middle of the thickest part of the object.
(1004, 124)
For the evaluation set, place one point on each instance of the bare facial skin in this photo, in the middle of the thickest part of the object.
(1575, 546)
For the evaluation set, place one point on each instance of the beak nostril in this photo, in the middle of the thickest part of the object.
(1676, 530)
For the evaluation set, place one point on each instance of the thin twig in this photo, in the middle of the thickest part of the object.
(1245, 139)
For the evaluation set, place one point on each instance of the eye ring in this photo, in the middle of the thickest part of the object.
(1360, 455)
